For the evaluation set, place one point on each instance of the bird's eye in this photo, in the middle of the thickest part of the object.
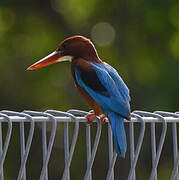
(65, 45)
(62, 47)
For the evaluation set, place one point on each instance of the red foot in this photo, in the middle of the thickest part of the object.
(103, 118)
(90, 118)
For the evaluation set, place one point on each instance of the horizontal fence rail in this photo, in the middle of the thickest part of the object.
(76, 117)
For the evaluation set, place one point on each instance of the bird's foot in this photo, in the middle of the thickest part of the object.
(103, 118)
(90, 118)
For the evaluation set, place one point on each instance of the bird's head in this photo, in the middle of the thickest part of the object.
(68, 50)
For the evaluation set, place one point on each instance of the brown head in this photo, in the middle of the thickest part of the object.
(68, 50)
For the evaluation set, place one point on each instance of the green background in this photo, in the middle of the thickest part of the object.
(139, 38)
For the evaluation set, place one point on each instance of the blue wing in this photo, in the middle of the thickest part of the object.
(115, 94)
(117, 79)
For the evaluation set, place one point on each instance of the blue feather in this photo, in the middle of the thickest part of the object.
(116, 77)
(116, 104)
(117, 124)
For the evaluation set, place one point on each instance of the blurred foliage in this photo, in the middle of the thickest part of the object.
(144, 49)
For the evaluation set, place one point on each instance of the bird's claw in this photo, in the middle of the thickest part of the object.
(103, 118)
(90, 117)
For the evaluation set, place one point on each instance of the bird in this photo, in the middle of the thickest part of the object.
(98, 82)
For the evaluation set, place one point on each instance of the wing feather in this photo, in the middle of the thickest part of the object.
(112, 98)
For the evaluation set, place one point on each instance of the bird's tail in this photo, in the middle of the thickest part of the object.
(119, 135)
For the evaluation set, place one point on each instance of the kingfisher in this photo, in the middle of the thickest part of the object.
(98, 82)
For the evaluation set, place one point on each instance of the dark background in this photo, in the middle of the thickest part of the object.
(139, 38)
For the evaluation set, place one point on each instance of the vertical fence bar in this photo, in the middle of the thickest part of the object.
(7, 140)
(27, 145)
(50, 144)
(44, 146)
(73, 142)
(88, 137)
(72, 147)
(24, 148)
(175, 168)
(112, 154)
(174, 175)
(161, 141)
(160, 146)
(88, 147)
(95, 146)
(153, 147)
(66, 147)
(110, 148)
(132, 155)
(138, 146)
(1, 170)
(22, 142)
(175, 147)
(46, 149)
(111, 166)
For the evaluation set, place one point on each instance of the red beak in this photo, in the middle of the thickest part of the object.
(46, 61)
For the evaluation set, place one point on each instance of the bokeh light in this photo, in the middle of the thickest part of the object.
(76, 13)
(103, 34)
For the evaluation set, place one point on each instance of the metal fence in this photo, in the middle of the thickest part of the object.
(76, 117)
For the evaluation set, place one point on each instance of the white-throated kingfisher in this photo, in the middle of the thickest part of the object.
(97, 81)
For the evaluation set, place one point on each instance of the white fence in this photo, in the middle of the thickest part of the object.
(76, 117)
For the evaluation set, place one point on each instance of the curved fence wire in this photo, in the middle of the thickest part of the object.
(76, 117)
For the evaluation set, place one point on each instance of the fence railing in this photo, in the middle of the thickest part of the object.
(76, 117)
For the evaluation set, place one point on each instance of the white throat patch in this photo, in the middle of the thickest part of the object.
(65, 58)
